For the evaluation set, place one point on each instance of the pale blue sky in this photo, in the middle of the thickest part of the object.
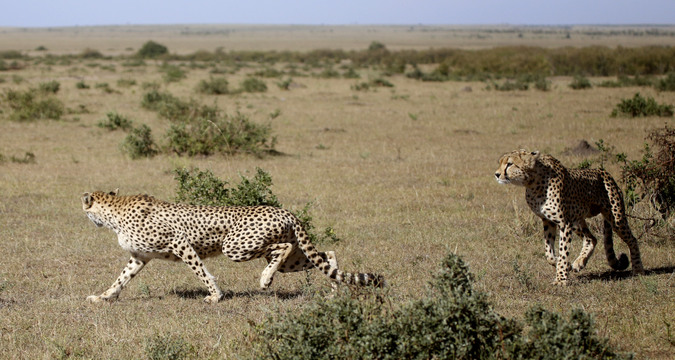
(52, 13)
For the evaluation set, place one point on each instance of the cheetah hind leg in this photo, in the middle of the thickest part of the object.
(617, 264)
(297, 261)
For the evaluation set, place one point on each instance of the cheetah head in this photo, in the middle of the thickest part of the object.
(515, 166)
(91, 204)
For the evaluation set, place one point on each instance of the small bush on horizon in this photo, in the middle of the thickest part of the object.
(152, 50)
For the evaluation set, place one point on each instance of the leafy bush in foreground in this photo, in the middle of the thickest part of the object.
(639, 106)
(453, 321)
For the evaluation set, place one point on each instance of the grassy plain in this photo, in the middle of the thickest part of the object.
(404, 175)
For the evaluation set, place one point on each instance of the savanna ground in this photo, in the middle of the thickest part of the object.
(403, 174)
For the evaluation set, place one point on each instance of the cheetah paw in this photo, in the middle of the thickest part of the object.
(212, 299)
(560, 282)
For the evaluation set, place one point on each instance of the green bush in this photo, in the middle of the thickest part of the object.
(222, 134)
(51, 87)
(168, 347)
(666, 84)
(213, 86)
(152, 50)
(652, 177)
(32, 104)
(639, 106)
(285, 84)
(90, 54)
(172, 73)
(139, 143)
(81, 85)
(114, 121)
(453, 321)
(252, 85)
(203, 188)
(580, 82)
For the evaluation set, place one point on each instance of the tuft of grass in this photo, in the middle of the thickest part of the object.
(50, 87)
(114, 121)
(253, 85)
(213, 86)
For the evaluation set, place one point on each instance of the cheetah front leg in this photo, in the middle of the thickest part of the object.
(550, 229)
(189, 256)
(563, 267)
(134, 265)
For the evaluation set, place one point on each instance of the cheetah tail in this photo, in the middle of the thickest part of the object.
(617, 264)
(360, 279)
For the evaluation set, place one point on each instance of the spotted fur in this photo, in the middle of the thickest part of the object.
(153, 229)
(563, 198)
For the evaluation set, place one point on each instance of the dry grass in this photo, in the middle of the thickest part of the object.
(403, 175)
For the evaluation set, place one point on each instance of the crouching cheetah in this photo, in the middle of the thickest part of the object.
(563, 198)
(153, 229)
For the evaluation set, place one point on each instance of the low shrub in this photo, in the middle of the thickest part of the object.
(253, 85)
(224, 134)
(152, 50)
(51, 87)
(163, 347)
(653, 177)
(580, 82)
(203, 188)
(172, 73)
(213, 86)
(198, 187)
(666, 84)
(32, 104)
(114, 121)
(139, 143)
(81, 85)
(639, 106)
(452, 321)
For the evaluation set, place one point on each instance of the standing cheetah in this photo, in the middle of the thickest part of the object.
(563, 198)
(153, 229)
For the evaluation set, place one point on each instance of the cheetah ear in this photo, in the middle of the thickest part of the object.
(535, 154)
(86, 200)
(114, 192)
